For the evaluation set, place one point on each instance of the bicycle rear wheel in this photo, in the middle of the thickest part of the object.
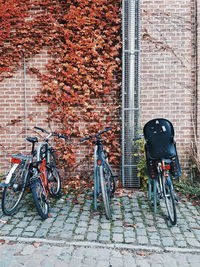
(13, 192)
(170, 201)
(105, 189)
(39, 197)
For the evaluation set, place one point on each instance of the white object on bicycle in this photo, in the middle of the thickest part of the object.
(9, 175)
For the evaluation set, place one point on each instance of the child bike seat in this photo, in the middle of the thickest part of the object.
(159, 137)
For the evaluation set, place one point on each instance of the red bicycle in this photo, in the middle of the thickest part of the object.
(47, 179)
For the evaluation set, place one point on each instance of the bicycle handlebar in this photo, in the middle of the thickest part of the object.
(60, 135)
(41, 129)
(52, 134)
(96, 135)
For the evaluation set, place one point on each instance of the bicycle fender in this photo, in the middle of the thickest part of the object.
(9, 175)
(169, 182)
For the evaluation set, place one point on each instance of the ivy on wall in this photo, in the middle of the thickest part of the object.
(82, 85)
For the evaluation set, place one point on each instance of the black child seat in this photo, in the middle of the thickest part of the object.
(160, 145)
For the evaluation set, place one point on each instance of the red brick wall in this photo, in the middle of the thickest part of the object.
(14, 107)
(19, 111)
(167, 80)
(167, 67)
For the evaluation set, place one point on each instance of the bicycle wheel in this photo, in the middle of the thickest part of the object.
(39, 198)
(110, 174)
(54, 182)
(105, 189)
(41, 151)
(52, 159)
(13, 192)
(170, 201)
(113, 185)
(96, 186)
(53, 175)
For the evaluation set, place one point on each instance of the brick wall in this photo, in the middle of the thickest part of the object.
(168, 67)
(168, 80)
(17, 112)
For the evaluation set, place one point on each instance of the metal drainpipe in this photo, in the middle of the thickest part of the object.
(130, 88)
(25, 102)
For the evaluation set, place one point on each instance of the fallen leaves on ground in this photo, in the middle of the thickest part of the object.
(141, 253)
(8, 242)
(129, 225)
(196, 228)
(124, 252)
(37, 244)
(76, 201)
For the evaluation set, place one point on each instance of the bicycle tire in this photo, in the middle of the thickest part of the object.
(41, 151)
(52, 159)
(105, 190)
(54, 182)
(170, 201)
(96, 186)
(14, 191)
(113, 185)
(41, 204)
(112, 179)
(52, 171)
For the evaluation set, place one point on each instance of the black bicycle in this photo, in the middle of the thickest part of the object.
(104, 178)
(162, 164)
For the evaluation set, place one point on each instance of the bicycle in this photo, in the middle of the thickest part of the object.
(17, 179)
(41, 175)
(162, 164)
(48, 180)
(46, 154)
(104, 178)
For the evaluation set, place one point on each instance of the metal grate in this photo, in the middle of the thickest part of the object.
(130, 89)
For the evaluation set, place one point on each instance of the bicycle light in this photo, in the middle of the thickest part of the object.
(13, 160)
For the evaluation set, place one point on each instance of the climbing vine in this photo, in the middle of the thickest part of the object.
(81, 87)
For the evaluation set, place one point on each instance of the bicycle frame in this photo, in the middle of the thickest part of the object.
(43, 176)
(159, 181)
(101, 183)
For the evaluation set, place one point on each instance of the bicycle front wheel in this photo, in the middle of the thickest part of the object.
(39, 197)
(54, 182)
(170, 201)
(105, 190)
(14, 190)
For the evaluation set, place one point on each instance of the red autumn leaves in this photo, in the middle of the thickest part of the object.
(82, 88)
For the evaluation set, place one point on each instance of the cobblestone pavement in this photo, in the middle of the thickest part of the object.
(133, 226)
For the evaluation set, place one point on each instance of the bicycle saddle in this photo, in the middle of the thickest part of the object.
(159, 136)
(32, 139)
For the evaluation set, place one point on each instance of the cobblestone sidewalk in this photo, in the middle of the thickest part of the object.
(39, 254)
(133, 223)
